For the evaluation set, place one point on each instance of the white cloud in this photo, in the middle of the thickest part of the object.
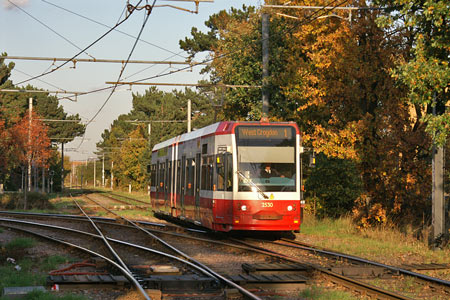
(8, 4)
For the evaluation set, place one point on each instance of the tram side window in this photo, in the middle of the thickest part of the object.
(210, 175)
(169, 176)
(153, 175)
(229, 172)
(190, 177)
(178, 177)
(162, 168)
(204, 173)
(220, 167)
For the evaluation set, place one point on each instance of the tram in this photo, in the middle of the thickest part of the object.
(230, 176)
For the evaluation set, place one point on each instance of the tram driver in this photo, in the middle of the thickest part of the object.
(268, 171)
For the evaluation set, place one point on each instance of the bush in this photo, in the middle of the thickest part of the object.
(9, 201)
(38, 201)
(16, 200)
(333, 185)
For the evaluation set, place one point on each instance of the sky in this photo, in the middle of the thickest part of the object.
(62, 28)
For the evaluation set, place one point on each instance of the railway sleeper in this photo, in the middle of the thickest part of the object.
(271, 281)
(86, 280)
(364, 272)
(276, 268)
(170, 283)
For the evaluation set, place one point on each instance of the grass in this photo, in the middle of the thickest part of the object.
(20, 244)
(320, 293)
(10, 277)
(52, 262)
(28, 276)
(136, 213)
(25, 271)
(137, 195)
(39, 295)
(378, 243)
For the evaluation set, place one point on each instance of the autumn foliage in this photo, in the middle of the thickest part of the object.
(32, 141)
(21, 142)
(334, 74)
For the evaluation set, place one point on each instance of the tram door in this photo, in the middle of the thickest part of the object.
(197, 170)
(183, 184)
(219, 187)
(160, 185)
(166, 181)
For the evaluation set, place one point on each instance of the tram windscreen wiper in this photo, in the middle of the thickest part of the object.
(249, 181)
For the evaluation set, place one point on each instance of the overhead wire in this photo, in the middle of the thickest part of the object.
(149, 67)
(307, 20)
(83, 50)
(117, 30)
(49, 28)
(149, 10)
(52, 85)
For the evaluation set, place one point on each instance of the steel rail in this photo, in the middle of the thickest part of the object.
(63, 216)
(368, 288)
(337, 277)
(124, 271)
(153, 251)
(179, 252)
(100, 233)
(111, 222)
(302, 246)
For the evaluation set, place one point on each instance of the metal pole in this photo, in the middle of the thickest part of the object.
(103, 170)
(112, 174)
(189, 116)
(437, 198)
(438, 215)
(62, 166)
(30, 117)
(150, 135)
(265, 62)
(94, 173)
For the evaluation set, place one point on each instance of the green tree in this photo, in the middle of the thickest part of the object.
(167, 114)
(131, 168)
(336, 183)
(426, 74)
(13, 108)
(333, 78)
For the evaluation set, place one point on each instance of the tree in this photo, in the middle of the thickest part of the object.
(32, 141)
(234, 44)
(363, 114)
(426, 74)
(13, 108)
(332, 77)
(133, 162)
(346, 185)
(166, 112)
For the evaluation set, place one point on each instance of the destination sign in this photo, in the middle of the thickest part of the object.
(264, 132)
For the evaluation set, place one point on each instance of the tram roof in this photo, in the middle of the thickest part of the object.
(222, 127)
(189, 135)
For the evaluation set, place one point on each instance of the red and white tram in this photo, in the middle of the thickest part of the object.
(230, 176)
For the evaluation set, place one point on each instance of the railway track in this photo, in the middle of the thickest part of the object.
(357, 268)
(268, 257)
(209, 277)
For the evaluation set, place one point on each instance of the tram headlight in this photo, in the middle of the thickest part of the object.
(244, 207)
(290, 208)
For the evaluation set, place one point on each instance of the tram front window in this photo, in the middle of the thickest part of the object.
(266, 158)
